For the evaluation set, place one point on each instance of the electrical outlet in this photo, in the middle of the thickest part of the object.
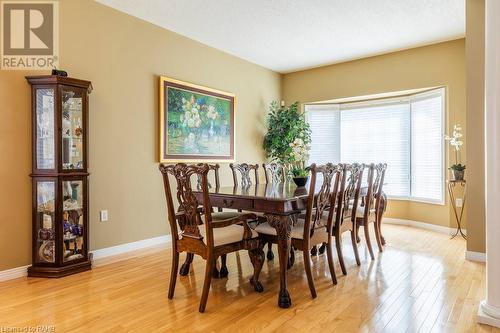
(459, 202)
(103, 215)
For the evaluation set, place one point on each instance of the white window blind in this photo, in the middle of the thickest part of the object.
(427, 145)
(404, 132)
(379, 132)
(325, 135)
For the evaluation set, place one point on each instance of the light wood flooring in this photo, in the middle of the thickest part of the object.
(420, 283)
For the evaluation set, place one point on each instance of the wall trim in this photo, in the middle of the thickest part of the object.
(469, 255)
(422, 225)
(98, 255)
(14, 273)
(475, 256)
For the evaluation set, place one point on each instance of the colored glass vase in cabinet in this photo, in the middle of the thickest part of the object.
(59, 175)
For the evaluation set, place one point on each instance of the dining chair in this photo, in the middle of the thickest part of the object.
(220, 215)
(318, 225)
(346, 210)
(371, 206)
(274, 173)
(244, 169)
(195, 231)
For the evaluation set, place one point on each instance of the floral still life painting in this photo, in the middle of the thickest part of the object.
(196, 123)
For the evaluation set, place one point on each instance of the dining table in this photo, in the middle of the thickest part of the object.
(278, 202)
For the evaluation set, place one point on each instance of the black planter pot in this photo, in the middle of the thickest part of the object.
(458, 175)
(300, 181)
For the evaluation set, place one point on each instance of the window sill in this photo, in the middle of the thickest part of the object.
(417, 200)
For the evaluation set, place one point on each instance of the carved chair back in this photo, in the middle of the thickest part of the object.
(374, 193)
(211, 167)
(320, 203)
(367, 201)
(348, 197)
(378, 184)
(189, 207)
(274, 172)
(244, 169)
(215, 168)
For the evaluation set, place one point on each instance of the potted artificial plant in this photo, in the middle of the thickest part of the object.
(288, 140)
(458, 169)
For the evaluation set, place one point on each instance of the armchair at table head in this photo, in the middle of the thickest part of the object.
(199, 232)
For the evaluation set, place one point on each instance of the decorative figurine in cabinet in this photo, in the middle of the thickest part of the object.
(59, 175)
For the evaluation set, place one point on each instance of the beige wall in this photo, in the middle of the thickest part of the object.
(436, 65)
(15, 167)
(474, 54)
(123, 57)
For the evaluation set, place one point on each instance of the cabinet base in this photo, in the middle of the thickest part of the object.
(57, 272)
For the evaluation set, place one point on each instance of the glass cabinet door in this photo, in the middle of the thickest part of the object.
(45, 217)
(45, 147)
(72, 129)
(73, 219)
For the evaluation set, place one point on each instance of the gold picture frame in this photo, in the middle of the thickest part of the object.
(196, 123)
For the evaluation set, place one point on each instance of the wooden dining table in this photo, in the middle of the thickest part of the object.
(278, 202)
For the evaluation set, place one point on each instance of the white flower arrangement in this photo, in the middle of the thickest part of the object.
(300, 151)
(456, 142)
(299, 154)
(455, 138)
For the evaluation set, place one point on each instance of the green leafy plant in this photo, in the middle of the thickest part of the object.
(288, 137)
(458, 167)
(300, 171)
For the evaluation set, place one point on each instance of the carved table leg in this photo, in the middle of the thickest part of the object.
(270, 254)
(322, 248)
(283, 226)
(185, 266)
(257, 259)
(223, 273)
(215, 271)
(291, 258)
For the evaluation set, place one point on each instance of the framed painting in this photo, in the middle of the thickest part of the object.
(196, 123)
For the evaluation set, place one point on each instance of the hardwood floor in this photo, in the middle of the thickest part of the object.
(421, 283)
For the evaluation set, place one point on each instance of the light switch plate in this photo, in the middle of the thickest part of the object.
(103, 215)
(459, 202)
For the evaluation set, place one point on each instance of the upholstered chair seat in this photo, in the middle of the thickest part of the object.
(227, 235)
(225, 215)
(360, 211)
(297, 229)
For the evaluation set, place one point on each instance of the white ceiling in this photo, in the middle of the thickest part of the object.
(289, 35)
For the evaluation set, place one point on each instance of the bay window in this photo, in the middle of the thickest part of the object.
(404, 132)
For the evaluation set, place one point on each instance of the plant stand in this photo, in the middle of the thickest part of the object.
(452, 186)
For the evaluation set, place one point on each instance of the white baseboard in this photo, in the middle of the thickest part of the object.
(14, 273)
(469, 255)
(475, 256)
(98, 255)
(488, 315)
(422, 225)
